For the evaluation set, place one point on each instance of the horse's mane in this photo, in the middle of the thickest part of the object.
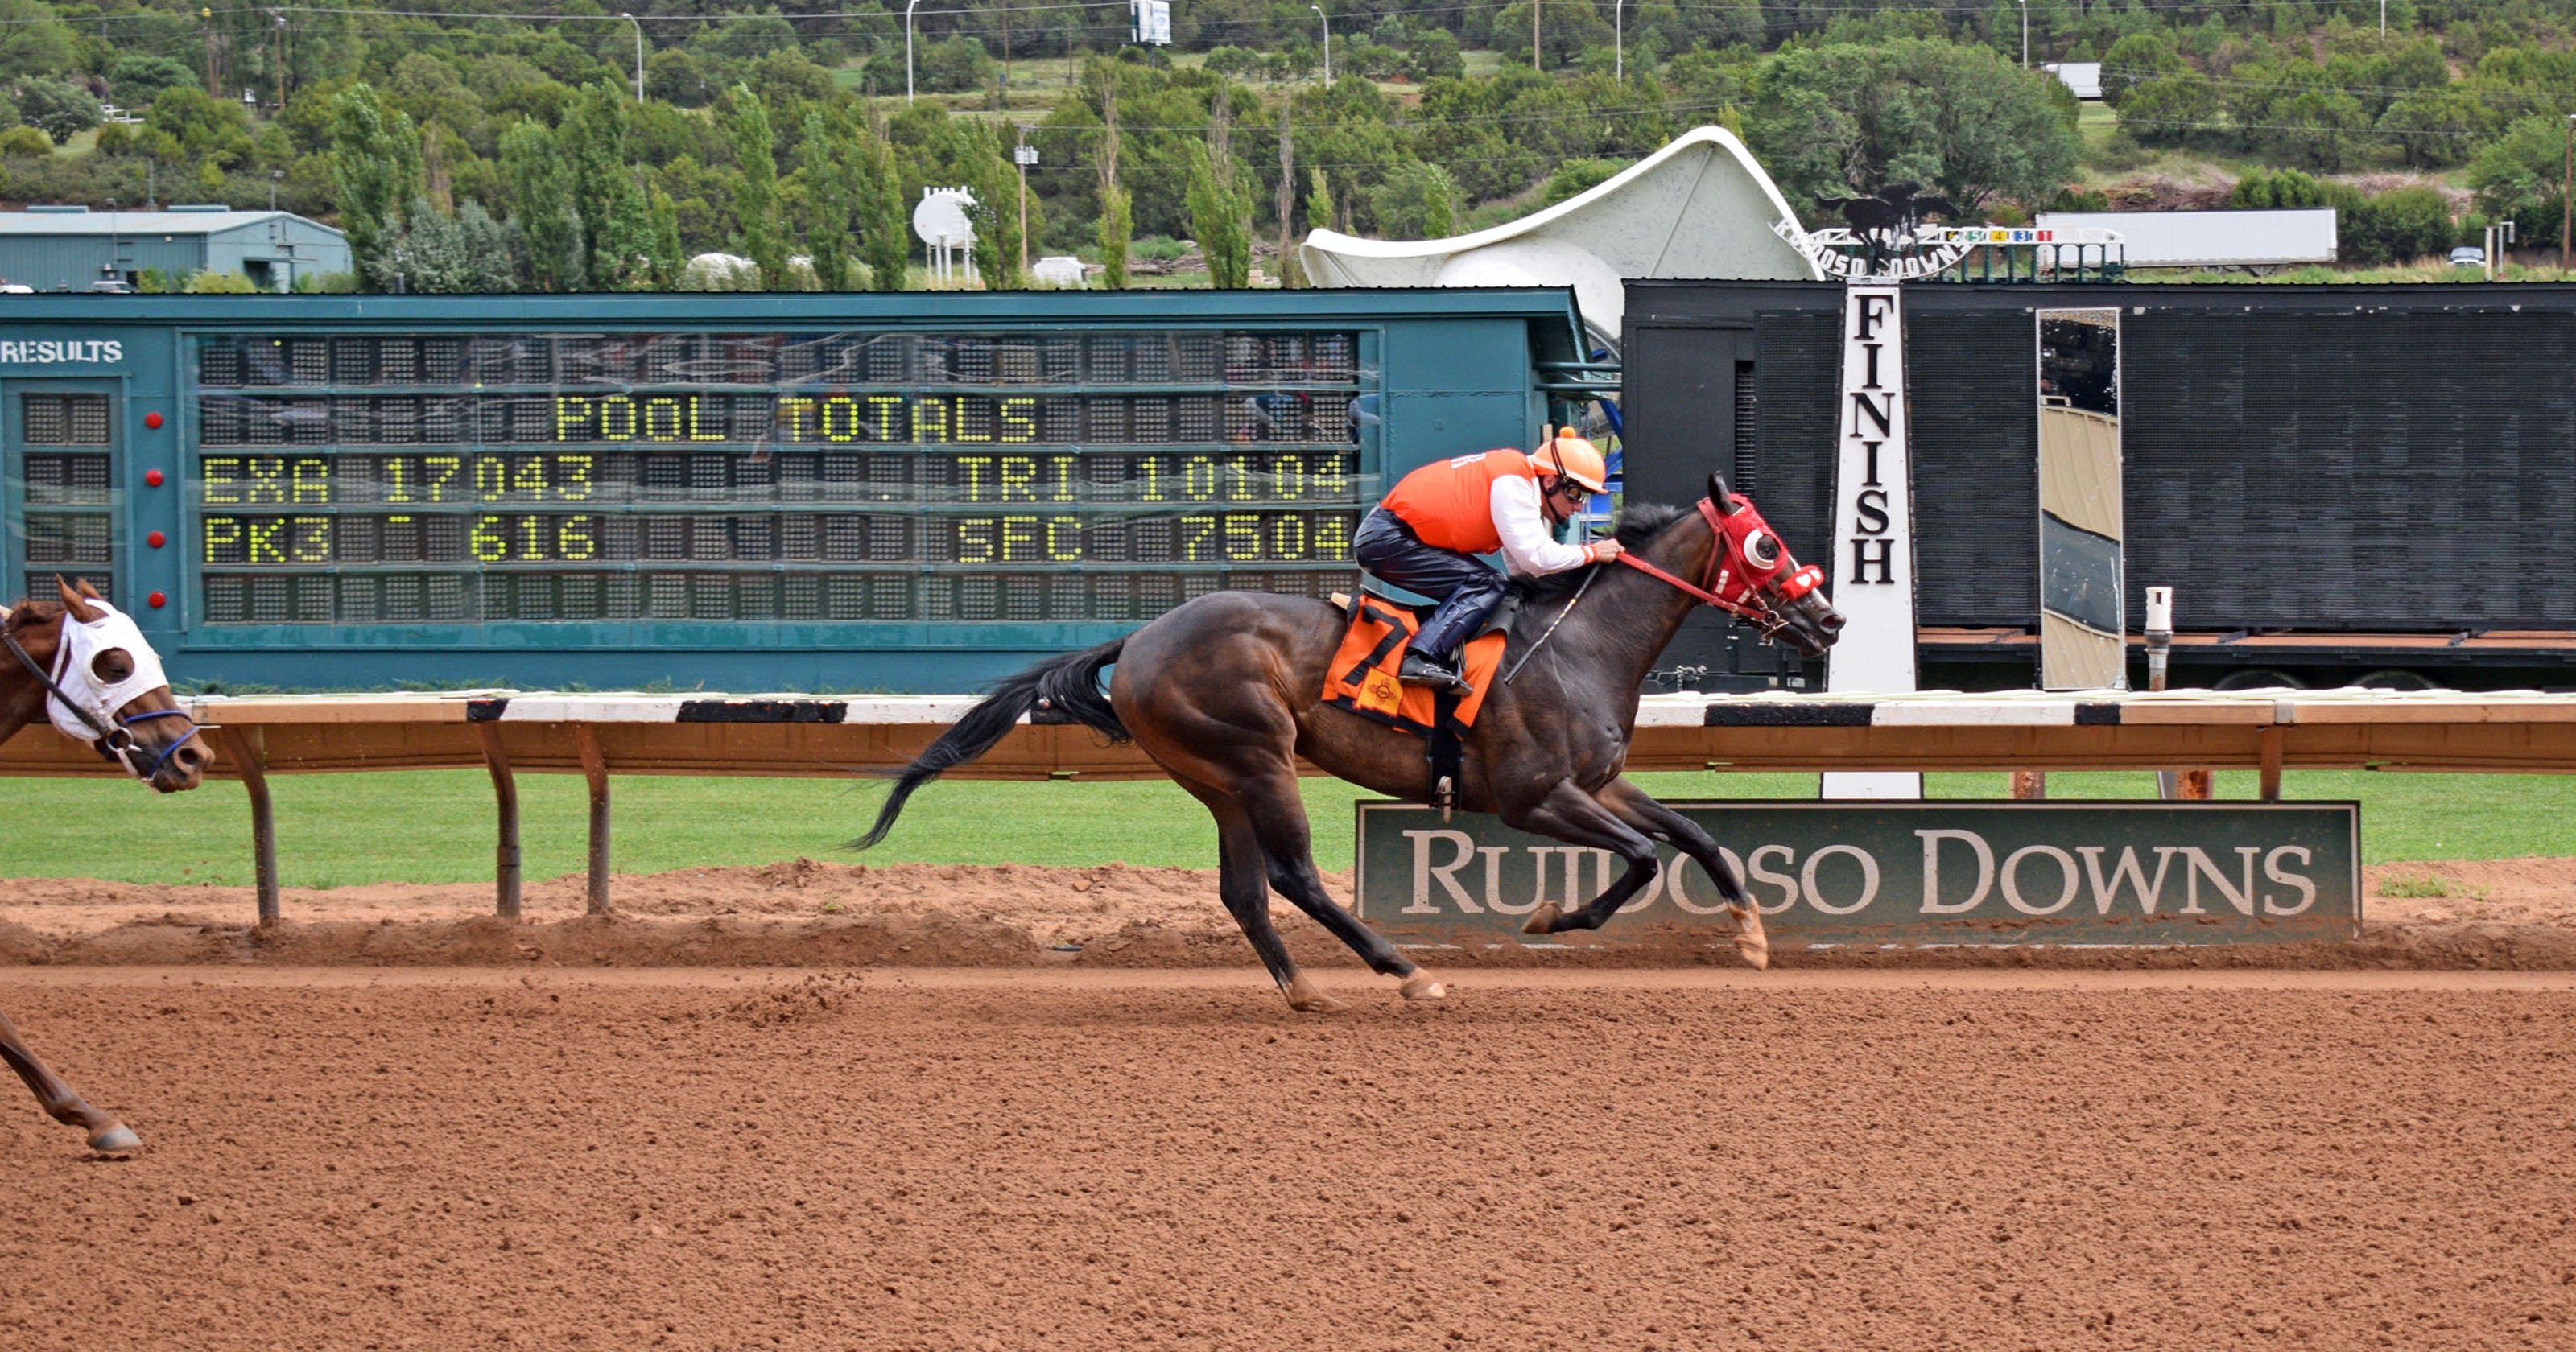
(26, 614)
(1638, 523)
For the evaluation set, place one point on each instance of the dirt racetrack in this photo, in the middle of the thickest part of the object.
(1059, 1158)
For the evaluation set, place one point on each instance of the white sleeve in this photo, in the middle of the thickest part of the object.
(1528, 549)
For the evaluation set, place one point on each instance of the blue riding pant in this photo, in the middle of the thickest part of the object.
(1467, 588)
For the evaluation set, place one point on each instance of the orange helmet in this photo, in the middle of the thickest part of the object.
(1575, 458)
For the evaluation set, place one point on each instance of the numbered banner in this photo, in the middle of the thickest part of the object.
(1904, 875)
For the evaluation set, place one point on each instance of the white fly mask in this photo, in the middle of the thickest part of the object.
(74, 675)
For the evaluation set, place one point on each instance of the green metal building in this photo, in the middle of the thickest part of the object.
(72, 248)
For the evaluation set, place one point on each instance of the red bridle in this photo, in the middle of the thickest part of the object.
(1736, 579)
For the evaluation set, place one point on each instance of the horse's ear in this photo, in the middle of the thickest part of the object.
(77, 602)
(1717, 495)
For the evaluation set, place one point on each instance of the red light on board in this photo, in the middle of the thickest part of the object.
(156, 539)
(152, 477)
(153, 421)
(156, 600)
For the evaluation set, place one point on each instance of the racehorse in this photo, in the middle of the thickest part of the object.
(1224, 693)
(85, 666)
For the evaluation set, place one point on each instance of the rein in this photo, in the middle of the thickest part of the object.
(112, 743)
(1706, 590)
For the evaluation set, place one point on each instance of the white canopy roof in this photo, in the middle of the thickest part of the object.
(1699, 208)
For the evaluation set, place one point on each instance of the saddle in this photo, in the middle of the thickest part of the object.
(1361, 678)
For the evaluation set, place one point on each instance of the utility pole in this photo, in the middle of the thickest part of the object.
(1024, 155)
(1287, 189)
(1534, 36)
(1327, 23)
(1619, 41)
(2567, 195)
(2025, 34)
(207, 17)
(281, 60)
(639, 54)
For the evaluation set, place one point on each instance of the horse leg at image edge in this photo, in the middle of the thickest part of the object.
(1639, 809)
(60, 1101)
(1575, 817)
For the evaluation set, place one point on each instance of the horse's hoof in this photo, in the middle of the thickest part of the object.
(1542, 920)
(1751, 943)
(115, 1140)
(1421, 986)
(1305, 999)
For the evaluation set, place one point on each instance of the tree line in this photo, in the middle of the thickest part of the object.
(511, 152)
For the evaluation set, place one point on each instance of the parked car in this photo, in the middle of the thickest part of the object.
(2468, 256)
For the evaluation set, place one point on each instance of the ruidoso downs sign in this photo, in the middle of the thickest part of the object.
(1902, 874)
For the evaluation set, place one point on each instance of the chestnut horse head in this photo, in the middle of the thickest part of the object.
(84, 665)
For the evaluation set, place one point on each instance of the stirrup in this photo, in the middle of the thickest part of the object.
(1417, 669)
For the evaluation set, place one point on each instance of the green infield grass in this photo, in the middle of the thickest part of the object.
(436, 826)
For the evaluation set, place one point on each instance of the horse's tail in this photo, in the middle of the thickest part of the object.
(1069, 686)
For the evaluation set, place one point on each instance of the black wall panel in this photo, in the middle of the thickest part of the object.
(1976, 467)
(2359, 459)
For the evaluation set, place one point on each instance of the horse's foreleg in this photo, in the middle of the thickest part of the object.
(60, 1101)
(1639, 809)
(1571, 815)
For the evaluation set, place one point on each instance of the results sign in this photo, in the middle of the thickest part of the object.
(1968, 874)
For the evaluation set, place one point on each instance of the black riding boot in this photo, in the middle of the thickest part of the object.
(1431, 658)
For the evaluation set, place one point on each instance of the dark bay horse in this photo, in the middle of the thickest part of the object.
(1225, 694)
(79, 662)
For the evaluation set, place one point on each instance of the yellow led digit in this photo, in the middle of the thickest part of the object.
(488, 540)
(1198, 478)
(1019, 478)
(1194, 532)
(221, 473)
(267, 479)
(491, 478)
(1242, 536)
(662, 419)
(261, 546)
(929, 422)
(882, 409)
(1064, 467)
(311, 540)
(1288, 536)
(309, 482)
(575, 470)
(573, 539)
(1017, 425)
(617, 418)
(795, 409)
(439, 469)
(1019, 538)
(697, 426)
(531, 477)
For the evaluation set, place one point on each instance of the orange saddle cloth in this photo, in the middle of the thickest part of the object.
(1362, 675)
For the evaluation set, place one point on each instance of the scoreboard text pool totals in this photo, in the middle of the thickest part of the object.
(372, 478)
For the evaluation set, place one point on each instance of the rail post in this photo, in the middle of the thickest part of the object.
(505, 856)
(247, 749)
(594, 768)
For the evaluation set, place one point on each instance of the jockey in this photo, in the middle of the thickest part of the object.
(1425, 535)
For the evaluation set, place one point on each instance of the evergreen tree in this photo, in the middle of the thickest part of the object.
(755, 191)
(1117, 217)
(827, 200)
(1319, 201)
(885, 237)
(594, 142)
(539, 183)
(1219, 203)
(375, 167)
(625, 258)
(988, 172)
(664, 217)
